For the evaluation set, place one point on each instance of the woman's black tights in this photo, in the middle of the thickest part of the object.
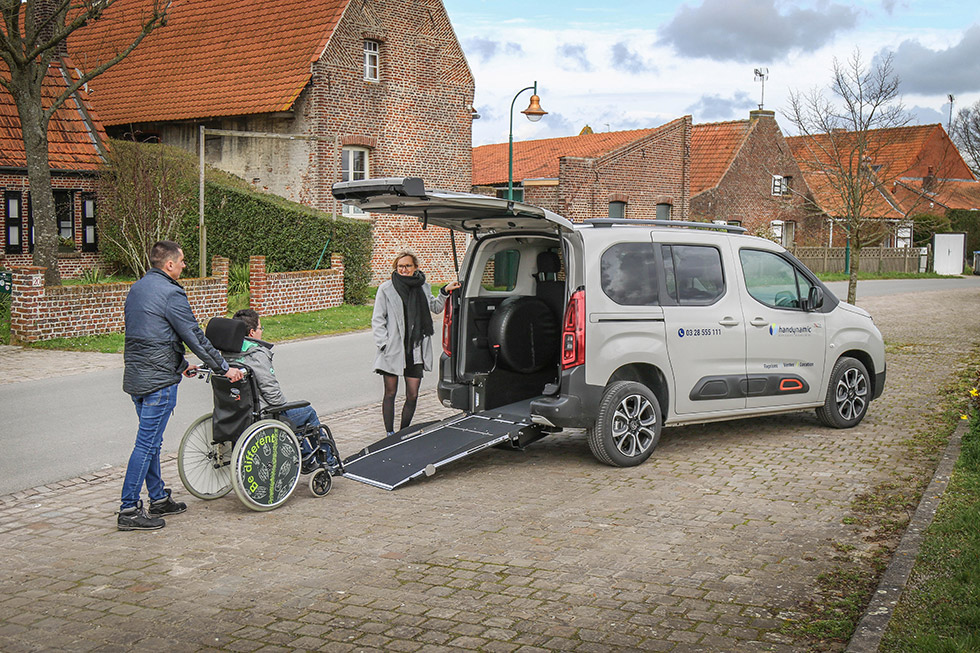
(388, 403)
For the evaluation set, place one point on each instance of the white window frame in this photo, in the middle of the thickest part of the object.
(777, 185)
(777, 230)
(349, 171)
(903, 235)
(372, 61)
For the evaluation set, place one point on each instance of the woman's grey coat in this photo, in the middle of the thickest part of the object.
(388, 324)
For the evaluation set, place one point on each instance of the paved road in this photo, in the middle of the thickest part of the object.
(57, 427)
(711, 545)
(88, 423)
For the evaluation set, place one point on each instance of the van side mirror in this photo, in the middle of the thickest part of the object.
(814, 299)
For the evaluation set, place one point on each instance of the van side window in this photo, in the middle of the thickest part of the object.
(500, 272)
(773, 280)
(693, 274)
(628, 274)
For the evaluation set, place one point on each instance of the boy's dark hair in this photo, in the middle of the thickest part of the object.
(163, 251)
(249, 316)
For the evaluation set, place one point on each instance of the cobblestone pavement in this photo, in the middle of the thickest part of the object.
(706, 547)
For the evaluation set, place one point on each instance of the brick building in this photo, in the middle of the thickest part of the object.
(910, 170)
(743, 172)
(641, 173)
(74, 160)
(319, 91)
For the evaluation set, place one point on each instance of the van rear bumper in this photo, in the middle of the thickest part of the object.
(574, 407)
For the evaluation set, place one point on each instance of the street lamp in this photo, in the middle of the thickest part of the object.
(534, 114)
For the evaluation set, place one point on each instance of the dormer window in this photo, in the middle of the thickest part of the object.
(371, 61)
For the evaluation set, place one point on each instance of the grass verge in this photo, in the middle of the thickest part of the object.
(871, 276)
(940, 608)
(827, 621)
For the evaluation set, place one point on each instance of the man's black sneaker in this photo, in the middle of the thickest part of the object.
(136, 519)
(167, 506)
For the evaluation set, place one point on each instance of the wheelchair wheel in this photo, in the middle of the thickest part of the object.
(266, 464)
(204, 466)
(320, 482)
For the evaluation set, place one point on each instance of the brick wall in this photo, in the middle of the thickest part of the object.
(295, 292)
(645, 172)
(744, 192)
(41, 313)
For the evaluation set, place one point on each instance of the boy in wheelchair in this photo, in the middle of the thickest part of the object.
(256, 354)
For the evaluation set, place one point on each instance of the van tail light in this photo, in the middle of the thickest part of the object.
(573, 332)
(447, 327)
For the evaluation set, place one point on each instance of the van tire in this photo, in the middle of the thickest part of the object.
(848, 395)
(627, 426)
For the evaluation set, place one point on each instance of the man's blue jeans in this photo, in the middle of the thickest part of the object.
(300, 417)
(154, 411)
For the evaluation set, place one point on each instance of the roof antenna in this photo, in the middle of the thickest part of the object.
(761, 75)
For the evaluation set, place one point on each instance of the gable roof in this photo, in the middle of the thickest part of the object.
(540, 159)
(71, 146)
(901, 154)
(713, 148)
(212, 58)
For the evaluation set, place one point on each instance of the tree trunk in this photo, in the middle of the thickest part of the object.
(34, 127)
(852, 281)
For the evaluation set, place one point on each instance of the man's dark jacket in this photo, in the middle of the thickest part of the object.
(158, 323)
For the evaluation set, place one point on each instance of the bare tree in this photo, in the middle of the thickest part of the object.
(145, 192)
(843, 140)
(32, 37)
(965, 132)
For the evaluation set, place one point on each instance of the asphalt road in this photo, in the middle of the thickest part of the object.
(66, 426)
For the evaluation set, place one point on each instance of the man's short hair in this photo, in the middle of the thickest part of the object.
(163, 251)
(249, 316)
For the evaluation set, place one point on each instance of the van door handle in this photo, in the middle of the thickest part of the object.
(728, 321)
(759, 321)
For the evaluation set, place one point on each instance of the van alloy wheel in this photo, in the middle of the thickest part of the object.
(848, 395)
(628, 425)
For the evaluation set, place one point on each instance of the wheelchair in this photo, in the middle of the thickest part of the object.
(258, 453)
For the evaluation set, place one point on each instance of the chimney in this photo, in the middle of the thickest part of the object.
(929, 181)
(756, 114)
(43, 10)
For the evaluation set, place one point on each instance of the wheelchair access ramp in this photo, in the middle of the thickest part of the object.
(399, 458)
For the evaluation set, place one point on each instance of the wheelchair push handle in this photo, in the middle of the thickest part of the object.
(206, 373)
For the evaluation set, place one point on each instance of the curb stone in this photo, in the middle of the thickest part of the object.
(871, 629)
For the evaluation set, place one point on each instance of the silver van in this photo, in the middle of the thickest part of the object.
(622, 327)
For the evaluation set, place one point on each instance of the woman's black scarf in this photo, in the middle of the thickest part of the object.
(418, 320)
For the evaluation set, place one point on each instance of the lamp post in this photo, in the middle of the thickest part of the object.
(534, 114)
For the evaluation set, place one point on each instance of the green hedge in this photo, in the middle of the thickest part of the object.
(969, 223)
(242, 223)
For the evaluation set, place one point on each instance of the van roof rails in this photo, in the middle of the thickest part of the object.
(609, 222)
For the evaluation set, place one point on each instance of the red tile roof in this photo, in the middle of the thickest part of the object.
(70, 144)
(903, 154)
(212, 58)
(713, 148)
(539, 159)
(901, 151)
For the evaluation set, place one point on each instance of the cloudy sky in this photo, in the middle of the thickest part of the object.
(628, 64)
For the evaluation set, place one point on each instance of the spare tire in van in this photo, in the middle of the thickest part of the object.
(524, 334)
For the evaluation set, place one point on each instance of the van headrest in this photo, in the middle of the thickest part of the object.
(548, 263)
(226, 334)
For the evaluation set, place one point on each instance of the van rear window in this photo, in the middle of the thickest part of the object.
(628, 274)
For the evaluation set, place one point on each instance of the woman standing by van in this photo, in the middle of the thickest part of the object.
(403, 330)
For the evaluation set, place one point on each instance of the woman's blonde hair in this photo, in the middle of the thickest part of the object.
(402, 254)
